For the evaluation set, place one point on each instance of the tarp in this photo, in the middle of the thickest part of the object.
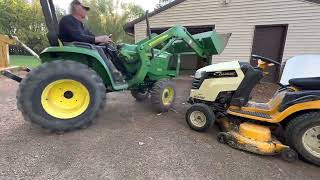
(303, 66)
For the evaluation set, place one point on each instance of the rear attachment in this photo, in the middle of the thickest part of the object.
(5, 70)
(8, 72)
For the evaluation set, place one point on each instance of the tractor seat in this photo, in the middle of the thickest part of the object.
(306, 83)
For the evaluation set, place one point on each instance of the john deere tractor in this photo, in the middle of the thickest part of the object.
(69, 89)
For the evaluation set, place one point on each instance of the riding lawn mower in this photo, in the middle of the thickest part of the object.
(221, 93)
(69, 89)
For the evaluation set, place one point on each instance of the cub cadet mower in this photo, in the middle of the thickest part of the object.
(69, 89)
(222, 91)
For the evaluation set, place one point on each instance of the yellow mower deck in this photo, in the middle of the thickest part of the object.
(250, 137)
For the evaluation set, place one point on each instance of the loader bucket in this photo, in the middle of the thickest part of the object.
(211, 42)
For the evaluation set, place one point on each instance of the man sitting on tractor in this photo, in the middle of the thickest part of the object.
(72, 29)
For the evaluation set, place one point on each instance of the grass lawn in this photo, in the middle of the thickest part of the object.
(28, 61)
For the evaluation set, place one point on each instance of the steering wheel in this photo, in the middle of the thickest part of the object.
(111, 43)
(264, 59)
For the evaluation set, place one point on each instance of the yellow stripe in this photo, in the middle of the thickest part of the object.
(158, 41)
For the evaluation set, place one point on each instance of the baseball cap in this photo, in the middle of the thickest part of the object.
(79, 2)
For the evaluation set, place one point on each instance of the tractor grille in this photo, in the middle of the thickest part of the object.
(196, 83)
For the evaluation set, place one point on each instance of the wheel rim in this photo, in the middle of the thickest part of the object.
(65, 99)
(168, 96)
(198, 118)
(311, 141)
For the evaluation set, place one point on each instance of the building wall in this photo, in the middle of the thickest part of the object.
(240, 17)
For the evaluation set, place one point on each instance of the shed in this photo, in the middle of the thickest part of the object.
(278, 29)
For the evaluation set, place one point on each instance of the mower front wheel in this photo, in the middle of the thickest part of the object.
(61, 96)
(163, 95)
(200, 117)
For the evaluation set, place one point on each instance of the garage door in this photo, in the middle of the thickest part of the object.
(189, 63)
(269, 41)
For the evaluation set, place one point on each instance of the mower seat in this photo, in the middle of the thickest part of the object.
(252, 77)
(306, 83)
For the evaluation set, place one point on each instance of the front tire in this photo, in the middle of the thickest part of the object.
(303, 134)
(200, 117)
(61, 96)
(163, 95)
(140, 96)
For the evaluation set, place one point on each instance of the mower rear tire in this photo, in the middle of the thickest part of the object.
(163, 95)
(140, 95)
(200, 117)
(61, 96)
(303, 134)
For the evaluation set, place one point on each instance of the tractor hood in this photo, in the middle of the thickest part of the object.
(226, 66)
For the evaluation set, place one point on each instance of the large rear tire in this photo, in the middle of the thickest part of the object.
(163, 95)
(303, 134)
(61, 96)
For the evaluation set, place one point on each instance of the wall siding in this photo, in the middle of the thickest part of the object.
(240, 18)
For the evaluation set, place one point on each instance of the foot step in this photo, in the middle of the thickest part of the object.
(256, 114)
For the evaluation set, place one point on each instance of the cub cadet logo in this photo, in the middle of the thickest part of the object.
(224, 74)
(199, 97)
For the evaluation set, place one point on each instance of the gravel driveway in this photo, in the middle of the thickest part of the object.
(130, 141)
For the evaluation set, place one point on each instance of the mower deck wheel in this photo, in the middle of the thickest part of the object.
(289, 155)
(222, 137)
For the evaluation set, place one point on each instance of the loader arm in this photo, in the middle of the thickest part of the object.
(178, 40)
(177, 33)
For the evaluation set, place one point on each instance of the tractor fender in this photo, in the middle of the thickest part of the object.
(89, 57)
(297, 109)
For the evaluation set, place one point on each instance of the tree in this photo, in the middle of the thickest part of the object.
(25, 20)
(162, 3)
(109, 17)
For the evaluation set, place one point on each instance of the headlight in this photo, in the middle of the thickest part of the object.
(199, 74)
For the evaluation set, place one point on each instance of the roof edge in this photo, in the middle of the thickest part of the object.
(129, 27)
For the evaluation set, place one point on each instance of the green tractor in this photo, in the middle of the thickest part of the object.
(69, 89)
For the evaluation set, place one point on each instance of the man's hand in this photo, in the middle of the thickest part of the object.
(103, 39)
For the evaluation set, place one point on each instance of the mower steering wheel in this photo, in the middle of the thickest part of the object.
(264, 59)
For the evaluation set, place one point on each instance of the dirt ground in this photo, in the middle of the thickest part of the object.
(130, 141)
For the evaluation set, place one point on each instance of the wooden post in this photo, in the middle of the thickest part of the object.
(5, 41)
